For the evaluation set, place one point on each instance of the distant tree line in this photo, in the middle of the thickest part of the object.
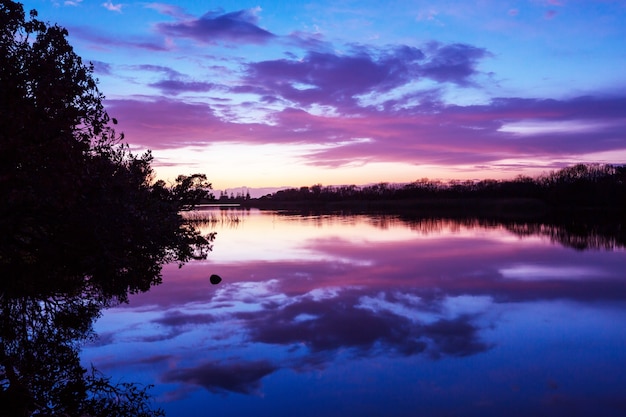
(578, 186)
(240, 197)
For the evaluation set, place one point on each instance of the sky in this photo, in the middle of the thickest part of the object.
(275, 93)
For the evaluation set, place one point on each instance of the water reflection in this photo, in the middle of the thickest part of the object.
(40, 370)
(383, 315)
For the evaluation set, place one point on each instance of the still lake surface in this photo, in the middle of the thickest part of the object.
(374, 315)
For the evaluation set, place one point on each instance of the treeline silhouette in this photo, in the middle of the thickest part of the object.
(83, 224)
(582, 186)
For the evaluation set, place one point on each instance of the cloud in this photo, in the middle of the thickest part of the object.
(177, 319)
(219, 377)
(112, 7)
(337, 323)
(176, 82)
(414, 129)
(170, 72)
(328, 78)
(175, 87)
(440, 134)
(455, 337)
(331, 78)
(100, 67)
(106, 42)
(162, 123)
(362, 105)
(361, 299)
(455, 63)
(237, 27)
(309, 41)
(168, 10)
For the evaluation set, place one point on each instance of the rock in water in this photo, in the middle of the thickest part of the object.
(215, 279)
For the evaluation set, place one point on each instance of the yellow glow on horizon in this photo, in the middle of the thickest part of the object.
(256, 166)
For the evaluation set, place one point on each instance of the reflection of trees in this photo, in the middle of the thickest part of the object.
(40, 370)
(82, 224)
(577, 235)
(575, 232)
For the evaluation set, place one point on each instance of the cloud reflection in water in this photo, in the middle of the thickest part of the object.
(459, 319)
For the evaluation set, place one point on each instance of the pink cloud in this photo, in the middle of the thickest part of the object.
(161, 123)
(402, 266)
(429, 133)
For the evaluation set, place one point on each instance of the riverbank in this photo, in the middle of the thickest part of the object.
(505, 207)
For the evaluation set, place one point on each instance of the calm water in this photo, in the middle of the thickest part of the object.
(374, 316)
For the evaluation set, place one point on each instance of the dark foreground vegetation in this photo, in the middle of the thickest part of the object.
(583, 187)
(82, 224)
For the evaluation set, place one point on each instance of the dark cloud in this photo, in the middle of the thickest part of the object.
(237, 27)
(333, 324)
(100, 67)
(582, 107)
(176, 82)
(176, 319)
(455, 337)
(322, 77)
(454, 63)
(239, 377)
(175, 87)
(331, 78)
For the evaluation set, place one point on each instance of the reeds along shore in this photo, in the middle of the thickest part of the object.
(203, 217)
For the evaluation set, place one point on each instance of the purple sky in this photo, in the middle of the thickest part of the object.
(346, 92)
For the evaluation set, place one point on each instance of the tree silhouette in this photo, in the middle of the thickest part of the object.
(75, 203)
(82, 224)
(576, 188)
(40, 370)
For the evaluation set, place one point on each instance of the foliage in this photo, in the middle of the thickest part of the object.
(575, 187)
(40, 370)
(82, 225)
(76, 204)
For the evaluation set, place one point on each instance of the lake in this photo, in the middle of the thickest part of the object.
(357, 315)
